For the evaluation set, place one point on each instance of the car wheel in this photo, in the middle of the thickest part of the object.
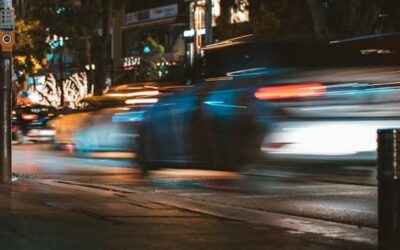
(238, 146)
(227, 157)
(140, 159)
(145, 166)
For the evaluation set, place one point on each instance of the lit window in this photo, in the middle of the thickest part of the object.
(241, 12)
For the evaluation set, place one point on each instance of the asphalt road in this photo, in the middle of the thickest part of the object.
(343, 194)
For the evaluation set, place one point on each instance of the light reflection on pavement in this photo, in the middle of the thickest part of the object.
(346, 195)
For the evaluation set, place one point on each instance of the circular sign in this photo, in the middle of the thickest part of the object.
(6, 39)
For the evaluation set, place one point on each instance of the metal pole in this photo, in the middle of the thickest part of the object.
(193, 26)
(6, 43)
(389, 189)
(208, 17)
(5, 117)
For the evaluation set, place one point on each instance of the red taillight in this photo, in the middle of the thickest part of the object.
(290, 91)
(275, 145)
(29, 116)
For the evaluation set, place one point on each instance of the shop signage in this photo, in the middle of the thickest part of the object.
(130, 62)
(151, 14)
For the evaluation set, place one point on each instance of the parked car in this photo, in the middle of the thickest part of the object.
(338, 92)
(29, 123)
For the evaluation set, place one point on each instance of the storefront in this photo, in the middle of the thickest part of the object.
(163, 22)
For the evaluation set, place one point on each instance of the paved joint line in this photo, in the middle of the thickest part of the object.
(327, 229)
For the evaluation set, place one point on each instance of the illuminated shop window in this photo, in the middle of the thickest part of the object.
(240, 14)
(216, 11)
(200, 12)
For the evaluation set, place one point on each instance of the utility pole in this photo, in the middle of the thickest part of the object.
(6, 43)
(208, 20)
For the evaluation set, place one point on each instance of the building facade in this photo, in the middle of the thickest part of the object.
(164, 21)
(177, 25)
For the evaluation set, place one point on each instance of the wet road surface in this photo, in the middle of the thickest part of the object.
(343, 194)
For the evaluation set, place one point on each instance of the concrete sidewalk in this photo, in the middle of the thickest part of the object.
(35, 215)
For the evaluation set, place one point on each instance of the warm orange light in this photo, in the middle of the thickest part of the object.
(29, 117)
(290, 91)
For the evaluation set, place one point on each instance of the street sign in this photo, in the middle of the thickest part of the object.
(5, 4)
(7, 40)
(6, 19)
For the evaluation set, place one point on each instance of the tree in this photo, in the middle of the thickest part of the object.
(390, 16)
(20, 7)
(94, 22)
(327, 19)
(266, 17)
(152, 65)
(87, 26)
(342, 19)
(29, 56)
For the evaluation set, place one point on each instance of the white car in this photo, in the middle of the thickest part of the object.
(325, 140)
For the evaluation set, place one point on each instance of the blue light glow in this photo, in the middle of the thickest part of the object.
(221, 104)
(60, 10)
(357, 92)
(146, 49)
(136, 116)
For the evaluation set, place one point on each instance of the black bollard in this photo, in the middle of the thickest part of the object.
(389, 189)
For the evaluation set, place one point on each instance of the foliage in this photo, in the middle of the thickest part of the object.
(29, 51)
(75, 88)
(152, 60)
(328, 19)
(86, 24)
(390, 16)
(344, 19)
(266, 17)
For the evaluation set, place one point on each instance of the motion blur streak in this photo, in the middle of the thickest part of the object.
(290, 91)
(221, 104)
(132, 94)
(141, 101)
(325, 138)
(128, 117)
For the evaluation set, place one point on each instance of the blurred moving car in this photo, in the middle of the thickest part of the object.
(337, 115)
(109, 122)
(29, 123)
(268, 99)
(96, 130)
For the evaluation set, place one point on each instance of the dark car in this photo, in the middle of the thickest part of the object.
(29, 123)
(253, 86)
